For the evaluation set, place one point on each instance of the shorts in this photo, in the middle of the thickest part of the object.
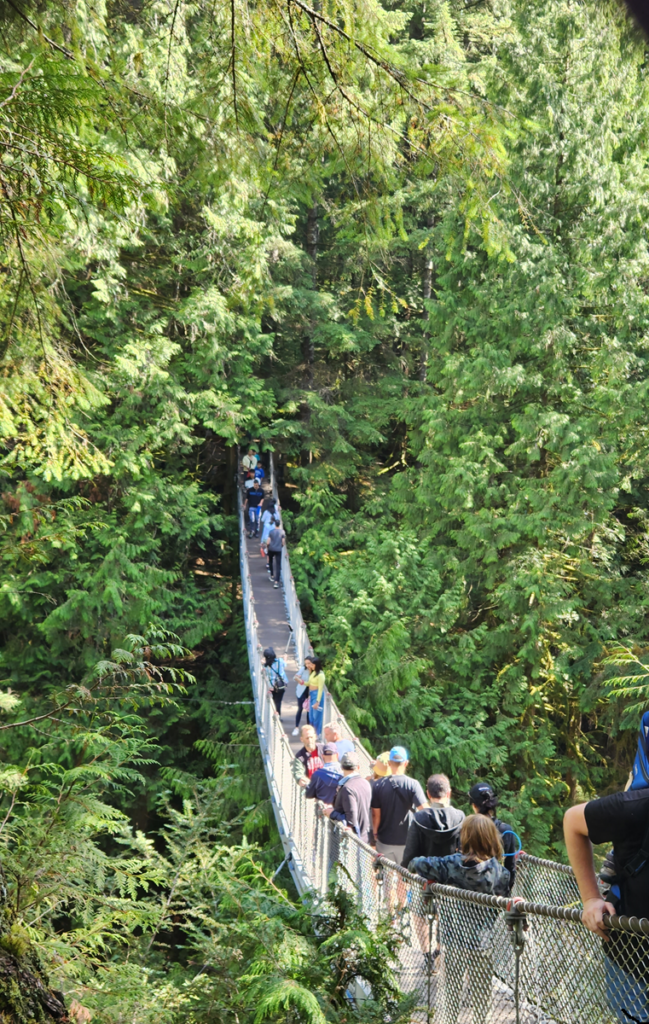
(394, 853)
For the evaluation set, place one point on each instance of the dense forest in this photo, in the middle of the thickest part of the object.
(404, 247)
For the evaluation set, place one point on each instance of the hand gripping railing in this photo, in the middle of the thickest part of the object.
(532, 964)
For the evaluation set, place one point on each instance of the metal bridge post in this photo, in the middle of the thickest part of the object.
(326, 846)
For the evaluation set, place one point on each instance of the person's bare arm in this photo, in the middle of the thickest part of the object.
(376, 820)
(580, 855)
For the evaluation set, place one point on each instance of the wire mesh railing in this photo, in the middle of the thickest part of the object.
(467, 958)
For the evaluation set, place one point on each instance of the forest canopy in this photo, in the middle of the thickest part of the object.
(402, 245)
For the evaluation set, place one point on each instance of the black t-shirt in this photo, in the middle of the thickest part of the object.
(396, 796)
(622, 819)
(255, 497)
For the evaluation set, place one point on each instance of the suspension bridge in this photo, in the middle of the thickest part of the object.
(539, 965)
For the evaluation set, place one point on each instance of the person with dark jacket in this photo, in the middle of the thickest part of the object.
(435, 831)
(484, 801)
(468, 939)
(325, 781)
(352, 803)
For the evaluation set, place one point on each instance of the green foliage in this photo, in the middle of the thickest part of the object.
(404, 245)
(490, 447)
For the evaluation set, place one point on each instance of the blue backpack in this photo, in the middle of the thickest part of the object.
(641, 763)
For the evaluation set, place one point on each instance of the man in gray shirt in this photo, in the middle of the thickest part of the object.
(352, 803)
(275, 543)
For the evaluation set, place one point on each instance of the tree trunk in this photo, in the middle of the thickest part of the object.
(426, 291)
(25, 993)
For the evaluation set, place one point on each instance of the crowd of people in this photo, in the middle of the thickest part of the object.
(262, 512)
(389, 810)
(424, 832)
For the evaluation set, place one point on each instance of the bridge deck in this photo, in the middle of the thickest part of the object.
(274, 631)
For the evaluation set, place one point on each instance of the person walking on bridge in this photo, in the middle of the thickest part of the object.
(269, 519)
(623, 820)
(394, 798)
(352, 804)
(468, 938)
(275, 543)
(325, 781)
(308, 758)
(332, 735)
(254, 498)
(484, 801)
(249, 461)
(316, 686)
(276, 679)
(433, 832)
(301, 679)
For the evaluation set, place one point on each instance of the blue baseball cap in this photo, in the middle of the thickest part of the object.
(399, 755)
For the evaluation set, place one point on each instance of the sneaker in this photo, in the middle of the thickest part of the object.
(296, 731)
(275, 586)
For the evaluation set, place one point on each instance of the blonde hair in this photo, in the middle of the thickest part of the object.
(480, 838)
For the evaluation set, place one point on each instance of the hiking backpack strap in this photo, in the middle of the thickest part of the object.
(279, 684)
(404, 795)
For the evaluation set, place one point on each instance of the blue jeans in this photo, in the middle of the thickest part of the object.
(315, 716)
(627, 997)
(253, 515)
